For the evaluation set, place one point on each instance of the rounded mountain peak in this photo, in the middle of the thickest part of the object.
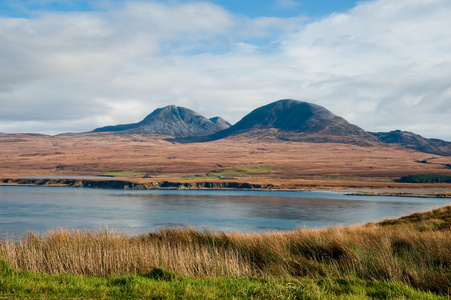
(171, 113)
(289, 114)
(296, 120)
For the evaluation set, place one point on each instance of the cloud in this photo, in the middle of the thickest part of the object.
(383, 65)
(385, 59)
(57, 65)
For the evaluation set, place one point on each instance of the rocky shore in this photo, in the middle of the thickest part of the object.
(130, 184)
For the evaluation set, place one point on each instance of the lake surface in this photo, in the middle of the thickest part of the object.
(32, 208)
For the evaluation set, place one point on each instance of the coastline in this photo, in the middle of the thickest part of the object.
(424, 191)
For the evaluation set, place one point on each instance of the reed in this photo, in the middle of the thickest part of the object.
(415, 252)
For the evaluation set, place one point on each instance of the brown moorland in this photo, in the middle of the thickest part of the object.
(285, 164)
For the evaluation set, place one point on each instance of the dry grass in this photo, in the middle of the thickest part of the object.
(130, 155)
(416, 253)
(105, 252)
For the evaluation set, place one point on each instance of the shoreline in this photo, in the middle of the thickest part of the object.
(166, 184)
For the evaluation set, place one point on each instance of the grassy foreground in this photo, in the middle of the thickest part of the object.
(408, 258)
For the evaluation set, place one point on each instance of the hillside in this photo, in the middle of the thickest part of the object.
(221, 122)
(414, 141)
(294, 120)
(141, 154)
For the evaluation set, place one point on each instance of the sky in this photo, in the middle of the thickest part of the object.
(72, 66)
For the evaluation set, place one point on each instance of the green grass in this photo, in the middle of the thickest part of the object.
(439, 219)
(232, 173)
(24, 284)
(126, 174)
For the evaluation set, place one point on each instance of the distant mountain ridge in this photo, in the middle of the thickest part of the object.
(173, 121)
(287, 119)
(414, 141)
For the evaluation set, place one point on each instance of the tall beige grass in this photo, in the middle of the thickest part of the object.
(417, 253)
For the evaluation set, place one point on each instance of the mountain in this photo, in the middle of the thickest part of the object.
(221, 122)
(414, 141)
(295, 120)
(173, 121)
(287, 120)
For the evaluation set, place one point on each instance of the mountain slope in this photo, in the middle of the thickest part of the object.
(171, 120)
(414, 141)
(221, 122)
(298, 121)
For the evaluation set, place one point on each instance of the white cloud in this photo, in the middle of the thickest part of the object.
(383, 65)
(389, 53)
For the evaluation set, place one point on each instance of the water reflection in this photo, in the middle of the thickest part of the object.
(43, 208)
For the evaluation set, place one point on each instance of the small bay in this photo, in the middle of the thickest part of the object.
(39, 209)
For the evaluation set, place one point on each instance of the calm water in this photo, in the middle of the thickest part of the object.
(29, 208)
